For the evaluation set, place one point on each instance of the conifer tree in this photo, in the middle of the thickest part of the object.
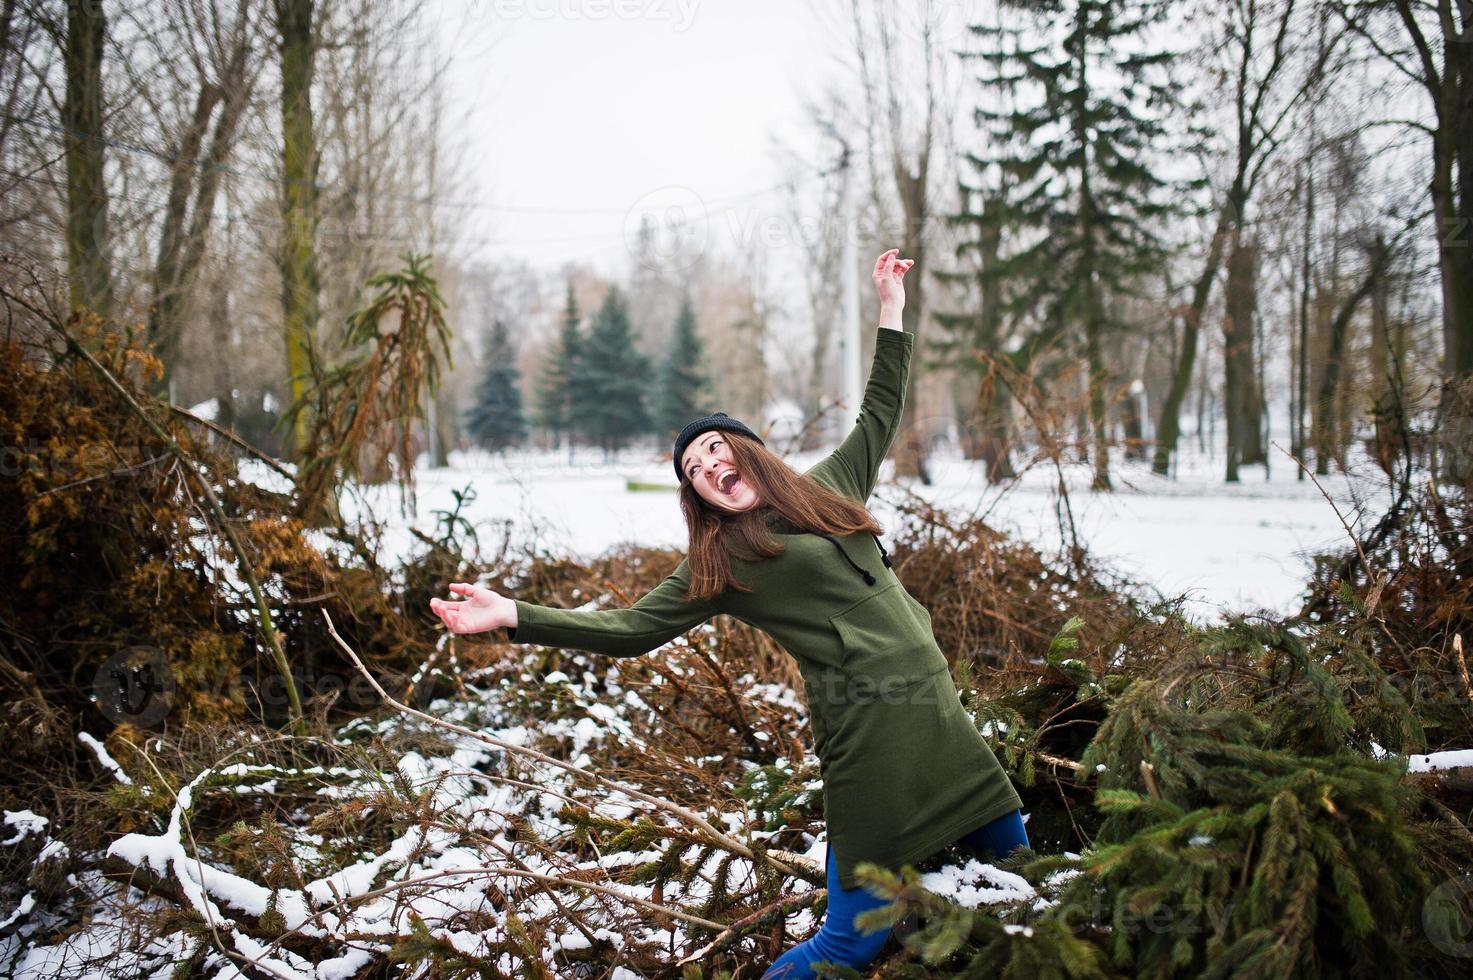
(609, 379)
(553, 395)
(496, 421)
(683, 386)
(1078, 147)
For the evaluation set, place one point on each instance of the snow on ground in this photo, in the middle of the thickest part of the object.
(1227, 547)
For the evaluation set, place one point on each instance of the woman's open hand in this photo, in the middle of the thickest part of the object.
(481, 610)
(889, 274)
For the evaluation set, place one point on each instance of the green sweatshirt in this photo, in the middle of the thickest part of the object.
(905, 772)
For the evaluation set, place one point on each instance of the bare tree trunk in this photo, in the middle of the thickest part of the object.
(1168, 429)
(1452, 204)
(299, 293)
(1259, 122)
(912, 450)
(1386, 412)
(1325, 414)
(1203, 393)
(88, 257)
(163, 320)
(1240, 390)
(988, 428)
(912, 183)
(1098, 381)
(1306, 287)
(223, 364)
(185, 233)
(994, 406)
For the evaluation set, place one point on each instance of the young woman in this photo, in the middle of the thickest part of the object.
(905, 772)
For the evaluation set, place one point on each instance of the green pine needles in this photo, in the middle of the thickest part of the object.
(1241, 822)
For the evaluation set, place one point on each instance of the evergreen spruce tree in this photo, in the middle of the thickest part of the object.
(496, 421)
(1078, 150)
(609, 379)
(683, 387)
(553, 395)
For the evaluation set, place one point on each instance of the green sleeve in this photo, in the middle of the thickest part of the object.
(853, 468)
(658, 617)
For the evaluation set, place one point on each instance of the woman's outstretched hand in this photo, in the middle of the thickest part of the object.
(481, 610)
(889, 277)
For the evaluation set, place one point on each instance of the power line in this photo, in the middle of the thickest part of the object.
(277, 180)
(609, 237)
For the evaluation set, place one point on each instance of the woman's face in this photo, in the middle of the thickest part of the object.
(707, 463)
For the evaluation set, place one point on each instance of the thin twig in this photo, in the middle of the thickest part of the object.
(101, 476)
(688, 816)
(758, 918)
(1365, 562)
(231, 437)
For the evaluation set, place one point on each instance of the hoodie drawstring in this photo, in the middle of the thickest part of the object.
(869, 579)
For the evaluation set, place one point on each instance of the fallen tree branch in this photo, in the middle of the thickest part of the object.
(687, 816)
(236, 440)
(759, 919)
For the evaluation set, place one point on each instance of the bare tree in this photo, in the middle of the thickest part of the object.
(1327, 446)
(823, 251)
(225, 53)
(297, 43)
(1257, 41)
(904, 134)
(1430, 44)
(88, 247)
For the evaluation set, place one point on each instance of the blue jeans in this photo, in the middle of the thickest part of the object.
(838, 941)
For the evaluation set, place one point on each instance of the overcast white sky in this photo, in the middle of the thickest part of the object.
(577, 117)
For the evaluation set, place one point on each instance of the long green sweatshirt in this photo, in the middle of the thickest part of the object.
(905, 772)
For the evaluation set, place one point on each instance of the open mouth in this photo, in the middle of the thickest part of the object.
(728, 482)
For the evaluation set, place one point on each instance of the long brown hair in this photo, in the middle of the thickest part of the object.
(716, 536)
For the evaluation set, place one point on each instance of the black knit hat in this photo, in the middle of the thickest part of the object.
(718, 421)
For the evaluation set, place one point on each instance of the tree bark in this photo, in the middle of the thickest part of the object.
(993, 410)
(1240, 390)
(1306, 291)
(912, 450)
(1386, 410)
(1450, 88)
(1325, 414)
(299, 282)
(88, 260)
(163, 320)
(185, 232)
(1168, 430)
(989, 426)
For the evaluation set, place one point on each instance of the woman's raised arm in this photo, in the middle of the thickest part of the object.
(853, 468)
(658, 617)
